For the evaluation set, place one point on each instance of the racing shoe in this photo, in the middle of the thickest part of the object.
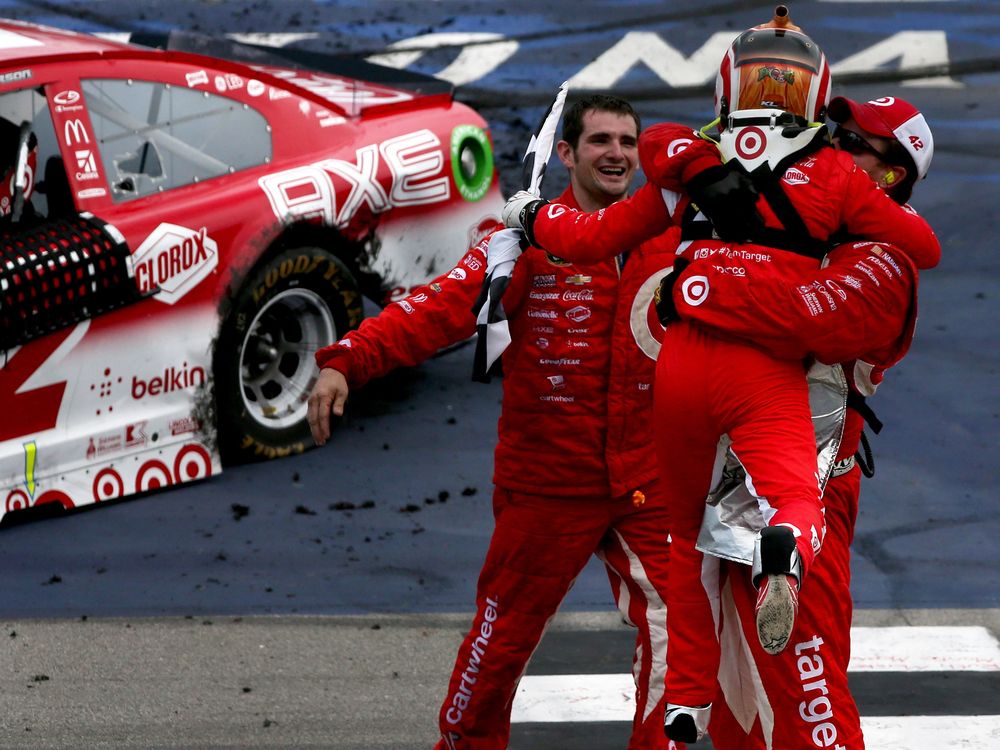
(777, 571)
(686, 723)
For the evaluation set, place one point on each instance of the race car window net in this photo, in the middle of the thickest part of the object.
(56, 273)
(44, 195)
(153, 137)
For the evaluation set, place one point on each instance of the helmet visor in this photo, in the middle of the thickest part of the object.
(776, 47)
(777, 69)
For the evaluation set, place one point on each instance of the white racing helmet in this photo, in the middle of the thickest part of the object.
(774, 66)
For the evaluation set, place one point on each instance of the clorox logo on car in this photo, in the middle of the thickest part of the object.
(175, 259)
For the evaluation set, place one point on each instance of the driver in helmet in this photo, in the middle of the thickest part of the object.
(778, 202)
(14, 198)
(890, 140)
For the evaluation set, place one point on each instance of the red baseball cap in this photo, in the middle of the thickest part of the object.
(890, 117)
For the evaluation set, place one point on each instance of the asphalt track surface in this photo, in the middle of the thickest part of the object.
(317, 601)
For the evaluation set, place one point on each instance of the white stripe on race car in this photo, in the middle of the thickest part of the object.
(13, 40)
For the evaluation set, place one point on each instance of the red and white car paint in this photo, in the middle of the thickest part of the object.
(258, 204)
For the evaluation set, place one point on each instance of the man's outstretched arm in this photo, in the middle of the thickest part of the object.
(404, 334)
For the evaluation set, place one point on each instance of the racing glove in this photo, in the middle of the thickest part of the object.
(520, 211)
(666, 310)
(729, 199)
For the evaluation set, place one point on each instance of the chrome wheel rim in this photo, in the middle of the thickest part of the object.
(277, 369)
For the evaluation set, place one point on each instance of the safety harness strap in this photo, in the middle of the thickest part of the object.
(858, 402)
(866, 460)
(795, 236)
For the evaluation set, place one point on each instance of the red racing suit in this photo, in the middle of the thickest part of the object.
(574, 468)
(709, 385)
(859, 309)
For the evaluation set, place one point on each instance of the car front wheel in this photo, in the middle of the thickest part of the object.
(293, 304)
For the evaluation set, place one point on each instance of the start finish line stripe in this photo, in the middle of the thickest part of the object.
(924, 649)
(574, 697)
(586, 698)
(610, 697)
(909, 732)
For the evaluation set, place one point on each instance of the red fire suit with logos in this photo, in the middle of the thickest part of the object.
(574, 469)
(709, 384)
(859, 309)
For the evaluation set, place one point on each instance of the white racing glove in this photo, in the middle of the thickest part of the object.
(520, 210)
(492, 330)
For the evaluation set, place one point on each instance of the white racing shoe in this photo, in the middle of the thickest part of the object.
(686, 723)
(777, 571)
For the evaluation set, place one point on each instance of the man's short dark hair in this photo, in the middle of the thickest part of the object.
(572, 127)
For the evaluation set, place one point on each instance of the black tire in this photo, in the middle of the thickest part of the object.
(292, 304)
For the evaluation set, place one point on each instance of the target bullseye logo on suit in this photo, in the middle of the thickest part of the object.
(678, 145)
(751, 142)
(695, 290)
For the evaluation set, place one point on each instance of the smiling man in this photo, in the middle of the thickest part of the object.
(599, 149)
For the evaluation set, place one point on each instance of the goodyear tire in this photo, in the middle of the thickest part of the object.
(294, 303)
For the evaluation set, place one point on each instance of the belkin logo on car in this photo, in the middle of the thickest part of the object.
(172, 379)
(175, 259)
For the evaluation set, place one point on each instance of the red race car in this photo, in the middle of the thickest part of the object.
(179, 233)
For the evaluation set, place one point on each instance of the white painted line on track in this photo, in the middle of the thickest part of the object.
(924, 649)
(909, 732)
(610, 697)
(574, 697)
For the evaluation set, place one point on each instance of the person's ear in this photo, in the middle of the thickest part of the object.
(565, 153)
(893, 176)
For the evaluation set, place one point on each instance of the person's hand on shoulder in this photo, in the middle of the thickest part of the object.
(328, 395)
(729, 199)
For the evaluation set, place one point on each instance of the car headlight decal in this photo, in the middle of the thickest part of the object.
(471, 161)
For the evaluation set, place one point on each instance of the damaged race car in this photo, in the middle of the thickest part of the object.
(180, 232)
